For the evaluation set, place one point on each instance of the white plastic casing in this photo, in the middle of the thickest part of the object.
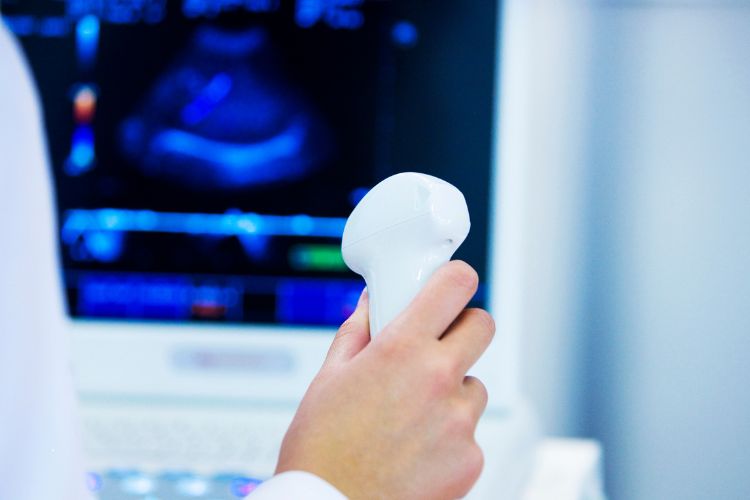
(398, 235)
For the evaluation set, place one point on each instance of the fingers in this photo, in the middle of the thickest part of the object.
(442, 299)
(353, 335)
(476, 394)
(469, 337)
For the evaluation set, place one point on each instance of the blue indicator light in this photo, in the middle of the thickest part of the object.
(82, 153)
(243, 486)
(405, 34)
(81, 157)
(88, 28)
(93, 482)
(192, 487)
(87, 40)
(104, 246)
(138, 484)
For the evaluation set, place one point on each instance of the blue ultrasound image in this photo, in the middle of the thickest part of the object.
(206, 153)
(223, 115)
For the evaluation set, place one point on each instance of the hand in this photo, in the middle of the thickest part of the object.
(395, 417)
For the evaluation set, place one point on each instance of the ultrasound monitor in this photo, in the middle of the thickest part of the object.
(206, 154)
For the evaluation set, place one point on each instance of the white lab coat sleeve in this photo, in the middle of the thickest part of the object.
(40, 447)
(298, 485)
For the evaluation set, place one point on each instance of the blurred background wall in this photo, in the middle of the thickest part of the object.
(637, 189)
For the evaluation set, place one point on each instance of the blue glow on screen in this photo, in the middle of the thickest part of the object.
(142, 484)
(314, 301)
(217, 89)
(54, 27)
(298, 300)
(238, 164)
(405, 34)
(81, 221)
(357, 194)
(234, 157)
(118, 12)
(255, 245)
(104, 246)
(242, 43)
(135, 297)
(82, 152)
(340, 14)
(242, 487)
(87, 39)
(212, 8)
(223, 117)
(337, 14)
(20, 25)
(93, 481)
(81, 156)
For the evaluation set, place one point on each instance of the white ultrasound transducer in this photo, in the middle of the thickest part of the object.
(398, 235)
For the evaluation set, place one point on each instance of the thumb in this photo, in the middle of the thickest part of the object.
(353, 335)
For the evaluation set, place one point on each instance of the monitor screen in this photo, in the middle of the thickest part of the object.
(206, 153)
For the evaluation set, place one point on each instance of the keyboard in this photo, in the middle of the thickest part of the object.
(159, 452)
(120, 484)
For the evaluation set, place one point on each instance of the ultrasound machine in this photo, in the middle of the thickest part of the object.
(206, 155)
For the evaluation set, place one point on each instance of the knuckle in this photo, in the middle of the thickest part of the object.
(440, 383)
(462, 274)
(489, 322)
(481, 395)
(448, 368)
(454, 368)
(473, 463)
(348, 327)
(475, 460)
(394, 346)
(484, 321)
(463, 420)
(443, 373)
(484, 395)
